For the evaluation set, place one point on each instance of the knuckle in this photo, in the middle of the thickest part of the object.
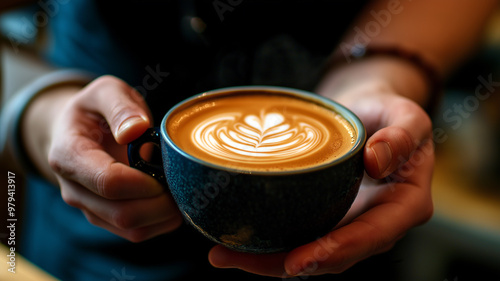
(106, 80)
(58, 162)
(407, 106)
(120, 111)
(122, 219)
(405, 142)
(102, 181)
(54, 162)
(137, 235)
(386, 248)
(415, 114)
(92, 219)
(427, 213)
(141, 234)
(102, 85)
(68, 198)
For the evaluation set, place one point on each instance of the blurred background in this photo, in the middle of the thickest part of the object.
(462, 240)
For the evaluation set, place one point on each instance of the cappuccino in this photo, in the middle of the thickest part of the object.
(259, 130)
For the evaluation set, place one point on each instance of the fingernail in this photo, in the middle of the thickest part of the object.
(128, 123)
(383, 155)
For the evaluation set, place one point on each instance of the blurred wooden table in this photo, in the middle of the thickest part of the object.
(458, 200)
(24, 270)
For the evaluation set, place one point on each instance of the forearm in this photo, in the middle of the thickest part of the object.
(440, 33)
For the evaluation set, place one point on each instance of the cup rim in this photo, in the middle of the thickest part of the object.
(331, 104)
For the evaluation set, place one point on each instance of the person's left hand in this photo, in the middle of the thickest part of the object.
(394, 196)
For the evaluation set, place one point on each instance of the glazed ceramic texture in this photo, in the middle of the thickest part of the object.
(261, 213)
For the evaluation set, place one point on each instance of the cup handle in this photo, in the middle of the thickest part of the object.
(152, 135)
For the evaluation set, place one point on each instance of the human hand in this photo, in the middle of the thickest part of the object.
(88, 155)
(394, 196)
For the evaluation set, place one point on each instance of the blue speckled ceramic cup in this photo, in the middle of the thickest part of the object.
(257, 211)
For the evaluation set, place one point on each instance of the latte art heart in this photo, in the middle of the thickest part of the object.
(263, 138)
(260, 131)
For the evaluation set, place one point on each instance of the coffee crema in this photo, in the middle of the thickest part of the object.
(260, 131)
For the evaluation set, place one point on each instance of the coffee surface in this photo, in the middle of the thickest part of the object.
(260, 131)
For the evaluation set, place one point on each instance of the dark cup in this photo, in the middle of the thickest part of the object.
(257, 212)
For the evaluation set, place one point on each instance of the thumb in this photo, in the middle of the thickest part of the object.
(386, 150)
(390, 147)
(124, 109)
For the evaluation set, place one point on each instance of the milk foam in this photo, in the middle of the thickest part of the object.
(260, 131)
(266, 137)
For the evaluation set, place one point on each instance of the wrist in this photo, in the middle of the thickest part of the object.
(12, 119)
(392, 69)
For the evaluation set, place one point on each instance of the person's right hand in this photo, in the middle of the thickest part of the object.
(88, 155)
